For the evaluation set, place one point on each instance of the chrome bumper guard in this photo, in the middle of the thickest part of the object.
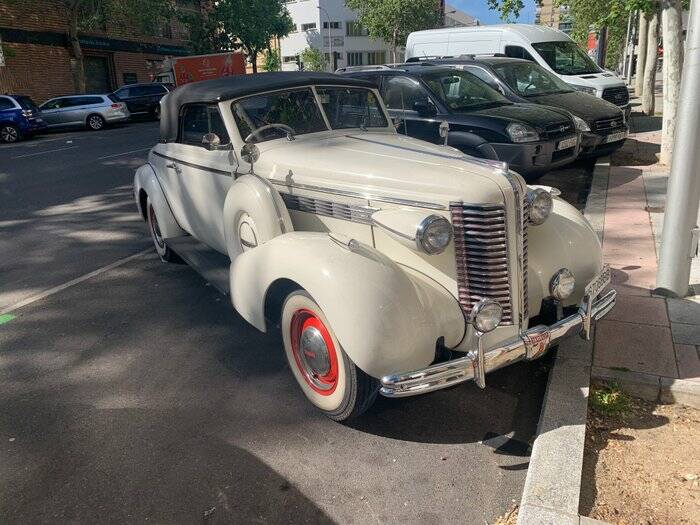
(530, 344)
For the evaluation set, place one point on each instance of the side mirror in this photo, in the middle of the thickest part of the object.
(424, 108)
(250, 154)
(211, 141)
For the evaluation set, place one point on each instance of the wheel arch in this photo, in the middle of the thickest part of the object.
(147, 187)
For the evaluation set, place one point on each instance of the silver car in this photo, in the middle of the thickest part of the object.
(91, 111)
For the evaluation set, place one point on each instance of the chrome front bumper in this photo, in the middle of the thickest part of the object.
(530, 344)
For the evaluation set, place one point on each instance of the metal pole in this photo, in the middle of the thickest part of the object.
(680, 231)
(330, 41)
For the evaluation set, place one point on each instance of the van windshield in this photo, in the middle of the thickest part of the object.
(460, 90)
(528, 79)
(566, 58)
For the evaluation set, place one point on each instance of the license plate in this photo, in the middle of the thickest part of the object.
(614, 137)
(599, 282)
(566, 143)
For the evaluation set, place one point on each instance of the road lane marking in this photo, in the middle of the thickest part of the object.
(124, 153)
(6, 318)
(42, 152)
(51, 291)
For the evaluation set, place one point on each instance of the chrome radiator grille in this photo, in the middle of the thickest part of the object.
(481, 251)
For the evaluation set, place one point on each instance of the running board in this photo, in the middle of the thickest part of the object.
(213, 266)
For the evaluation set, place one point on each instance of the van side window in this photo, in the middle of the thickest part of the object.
(196, 120)
(402, 92)
(518, 52)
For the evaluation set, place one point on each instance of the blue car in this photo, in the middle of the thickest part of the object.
(19, 118)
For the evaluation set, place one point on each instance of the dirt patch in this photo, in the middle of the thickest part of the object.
(509, 518)
(641, 462)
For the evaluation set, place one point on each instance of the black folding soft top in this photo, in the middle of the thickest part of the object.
(227, 88)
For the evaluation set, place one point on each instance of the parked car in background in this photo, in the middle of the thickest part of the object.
(19, 118)
(482, 122)
(391, 265)
(90, 111)
(143, 99)
(604, 127)
(552, 49)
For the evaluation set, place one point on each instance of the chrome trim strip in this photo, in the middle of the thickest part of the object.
(326, 208)
(195, 166)
(530, 344)
(365, 196)
(375, 222)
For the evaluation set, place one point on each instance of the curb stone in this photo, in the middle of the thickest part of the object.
(553, 484)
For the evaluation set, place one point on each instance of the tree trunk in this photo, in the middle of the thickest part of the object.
(74, 8)
(672, 34)
(641, 54)
(650, 64)
(393, 46)
(254, 62)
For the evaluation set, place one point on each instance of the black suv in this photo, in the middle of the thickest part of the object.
(603, 124)
(143, 99)
(532, 139)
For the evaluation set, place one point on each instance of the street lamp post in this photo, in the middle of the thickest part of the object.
(330, 40)
(680, 232)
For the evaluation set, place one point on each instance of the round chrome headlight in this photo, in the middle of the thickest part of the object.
(541, 205)
(562, 284)
(434, 234)
(486, 315)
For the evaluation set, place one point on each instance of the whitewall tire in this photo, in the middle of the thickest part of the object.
(326, 375)
(162, 249)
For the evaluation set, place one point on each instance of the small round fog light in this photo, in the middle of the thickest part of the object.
(486, 315)
(562, 284)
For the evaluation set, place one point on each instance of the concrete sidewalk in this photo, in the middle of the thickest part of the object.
(648, 344)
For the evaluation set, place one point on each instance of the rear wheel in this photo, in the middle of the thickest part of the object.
(9, 133)
(95, 122)
(325, 373)
(163, 250)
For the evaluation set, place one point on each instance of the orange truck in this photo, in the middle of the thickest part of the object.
(183, 70)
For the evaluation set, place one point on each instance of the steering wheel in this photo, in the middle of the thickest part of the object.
(287, 129)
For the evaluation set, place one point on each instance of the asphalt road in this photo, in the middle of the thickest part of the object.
(139, 395)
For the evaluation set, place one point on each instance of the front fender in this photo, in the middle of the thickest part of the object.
(466, 142)
(386, 317)
(146, 184)
(564, 240)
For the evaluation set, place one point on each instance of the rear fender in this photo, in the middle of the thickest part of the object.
(146, 185)
(386, 317)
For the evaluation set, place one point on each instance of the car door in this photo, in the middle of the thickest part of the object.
(196, 180)
(51, 111)
(71, 112)
(403, 96)
(124, 94)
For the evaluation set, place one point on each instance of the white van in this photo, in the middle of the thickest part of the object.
(549, 47)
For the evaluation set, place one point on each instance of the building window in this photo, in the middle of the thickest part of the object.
(290, 58)
(366, 58)
(334, 25)
(308, 27)
(353, 28)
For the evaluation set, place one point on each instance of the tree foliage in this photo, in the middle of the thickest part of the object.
(393, 20)
(313, 60)
(272, 61)
(252, 24)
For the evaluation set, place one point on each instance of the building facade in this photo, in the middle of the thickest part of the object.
(548, 13)
(39, 61)
(454, 17)
(348, 39)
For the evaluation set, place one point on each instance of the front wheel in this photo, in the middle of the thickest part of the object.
(163, 250)
(95, 122)
(325, 373)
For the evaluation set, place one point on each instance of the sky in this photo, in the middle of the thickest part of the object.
(479, 9)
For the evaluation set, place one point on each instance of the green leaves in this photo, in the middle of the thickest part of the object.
(393, 20)
(508, 9)
(313, 60)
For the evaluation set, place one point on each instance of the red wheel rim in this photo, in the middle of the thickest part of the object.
(310, 339)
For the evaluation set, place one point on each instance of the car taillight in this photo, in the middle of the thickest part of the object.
(116, 106)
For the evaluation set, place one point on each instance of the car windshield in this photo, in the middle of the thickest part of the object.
(351, 108)
(528, 79)
(566, 58)
(460, 90)
(299, 110)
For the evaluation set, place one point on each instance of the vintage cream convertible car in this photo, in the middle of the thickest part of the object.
(392, 265)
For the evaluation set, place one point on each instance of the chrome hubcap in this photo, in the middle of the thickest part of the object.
(314, 352)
